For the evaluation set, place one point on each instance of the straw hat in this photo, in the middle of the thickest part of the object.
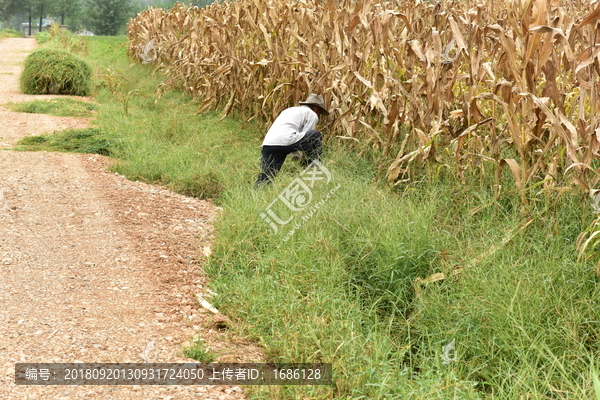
(316, 100)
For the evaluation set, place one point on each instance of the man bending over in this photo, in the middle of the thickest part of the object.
(293, 130)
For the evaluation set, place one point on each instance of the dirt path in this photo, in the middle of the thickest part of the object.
(15, 125)
(95, 268)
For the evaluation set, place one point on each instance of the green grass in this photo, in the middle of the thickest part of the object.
(163, 140)
(524, 318)
(9, 33)
(60, 107)
(337, 284)
(197, 351)
(42, 37)
(90, 140)
(54, 71)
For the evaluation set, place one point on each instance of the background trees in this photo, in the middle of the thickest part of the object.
(68, 8)
(9, 8)
(15, 12)
(107, 17)
(103, 17)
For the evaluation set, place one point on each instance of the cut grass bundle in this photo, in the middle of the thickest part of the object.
(52, 71)
(59, 107)
(90, 140)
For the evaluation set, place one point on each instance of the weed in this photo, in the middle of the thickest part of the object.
(115, 81)
(125, 99)
(197, 350)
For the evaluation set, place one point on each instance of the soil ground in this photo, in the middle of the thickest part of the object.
(96, 268)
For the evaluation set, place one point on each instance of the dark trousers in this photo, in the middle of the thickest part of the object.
(273, 157)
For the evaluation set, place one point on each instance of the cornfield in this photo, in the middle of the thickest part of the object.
(472, 86)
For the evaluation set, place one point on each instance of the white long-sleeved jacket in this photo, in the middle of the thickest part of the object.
(291, 126)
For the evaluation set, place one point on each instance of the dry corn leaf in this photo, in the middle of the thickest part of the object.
(592, 17)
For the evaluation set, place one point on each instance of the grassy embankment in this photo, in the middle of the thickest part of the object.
(521, 312)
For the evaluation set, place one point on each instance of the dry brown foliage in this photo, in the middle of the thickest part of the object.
(504, 83)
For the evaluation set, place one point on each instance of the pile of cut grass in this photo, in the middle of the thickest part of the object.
(53, 71)
(59, 107)
(89, 140)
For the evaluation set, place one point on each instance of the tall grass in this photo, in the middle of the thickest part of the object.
(163, 139)
(524, 319)
(344, 290)
(335, 290)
